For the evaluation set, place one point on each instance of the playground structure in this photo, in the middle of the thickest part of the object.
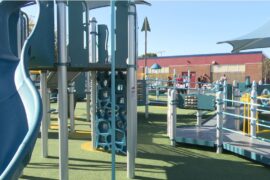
(110, 81)
(237, 126)
(111, 85)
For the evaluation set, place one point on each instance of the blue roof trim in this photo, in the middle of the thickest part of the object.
(203, 55)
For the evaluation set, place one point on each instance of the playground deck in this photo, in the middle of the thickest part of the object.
(237, 143)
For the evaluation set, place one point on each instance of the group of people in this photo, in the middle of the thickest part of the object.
(182, 82)
(202, 80)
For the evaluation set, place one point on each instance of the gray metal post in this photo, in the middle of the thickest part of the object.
(173, 117)
(225, 94)
(237, 96)
(157, 90)
(234, 86)
(219, 135)
(71, 105)
(88, 95)
(174, 78)
(188, 88)
(62, 89)
(169, 111)
(131, 94)
(93, 35)
(199, 118)
(253, 109)
(146, 94)
(48, 108)
(87, 89)
(44, 124)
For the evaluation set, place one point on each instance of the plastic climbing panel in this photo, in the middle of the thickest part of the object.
(103, 115)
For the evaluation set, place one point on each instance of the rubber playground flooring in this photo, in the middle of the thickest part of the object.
(156, 159)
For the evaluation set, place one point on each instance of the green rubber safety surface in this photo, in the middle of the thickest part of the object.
(156, 159)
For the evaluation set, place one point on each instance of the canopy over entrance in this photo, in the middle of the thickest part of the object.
(260, 38)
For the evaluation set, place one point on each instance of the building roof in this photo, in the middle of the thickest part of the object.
(205, 59)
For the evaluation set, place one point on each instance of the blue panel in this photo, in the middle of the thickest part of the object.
(42, 49)
(103, 34)
(78, 39)
(121, 53)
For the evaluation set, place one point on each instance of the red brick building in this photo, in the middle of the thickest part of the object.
(235, 66)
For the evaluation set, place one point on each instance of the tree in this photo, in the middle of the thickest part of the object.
(149, 55)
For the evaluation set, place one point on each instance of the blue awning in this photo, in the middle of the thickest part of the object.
(260, 38)
(155, 66)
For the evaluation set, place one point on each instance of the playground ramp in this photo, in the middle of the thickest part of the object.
(20, 104)
(239, 144)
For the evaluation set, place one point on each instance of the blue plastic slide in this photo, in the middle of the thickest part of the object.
(20, 103)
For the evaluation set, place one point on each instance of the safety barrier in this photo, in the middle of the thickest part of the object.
(251, 106)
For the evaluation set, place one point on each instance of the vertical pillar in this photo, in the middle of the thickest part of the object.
(131, 93)
(234, 86)
(113, 48)
(157, 89)
(174, 78)
(71, 105)
(253, 110)
(44, 124)
(87, 74)
(199, 118)
(237, 106)
(48, 108)
(146, 94)
(88, 95)
(219, 135)
(169, 111)
(93, 36)
(62, 89)
(188, 88)
(172, 117)
(225, 90)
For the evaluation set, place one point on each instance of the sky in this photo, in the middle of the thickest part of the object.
(194, 27)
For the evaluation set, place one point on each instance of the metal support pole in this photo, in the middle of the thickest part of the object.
(44, 124)
(237, 96)
(93, 35)
(112, 29)
(169, 111)
(62, 89)
(199, 118)
(71, 91)
(87, 74)
(131, 93)
(173, 117)
(253, 110)
(225, 90)
(88, 95)
(219, 135)
(174, 78)
(234, 86)
(157, 90)
(146, 94)
(49, 108)
(188, 88)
